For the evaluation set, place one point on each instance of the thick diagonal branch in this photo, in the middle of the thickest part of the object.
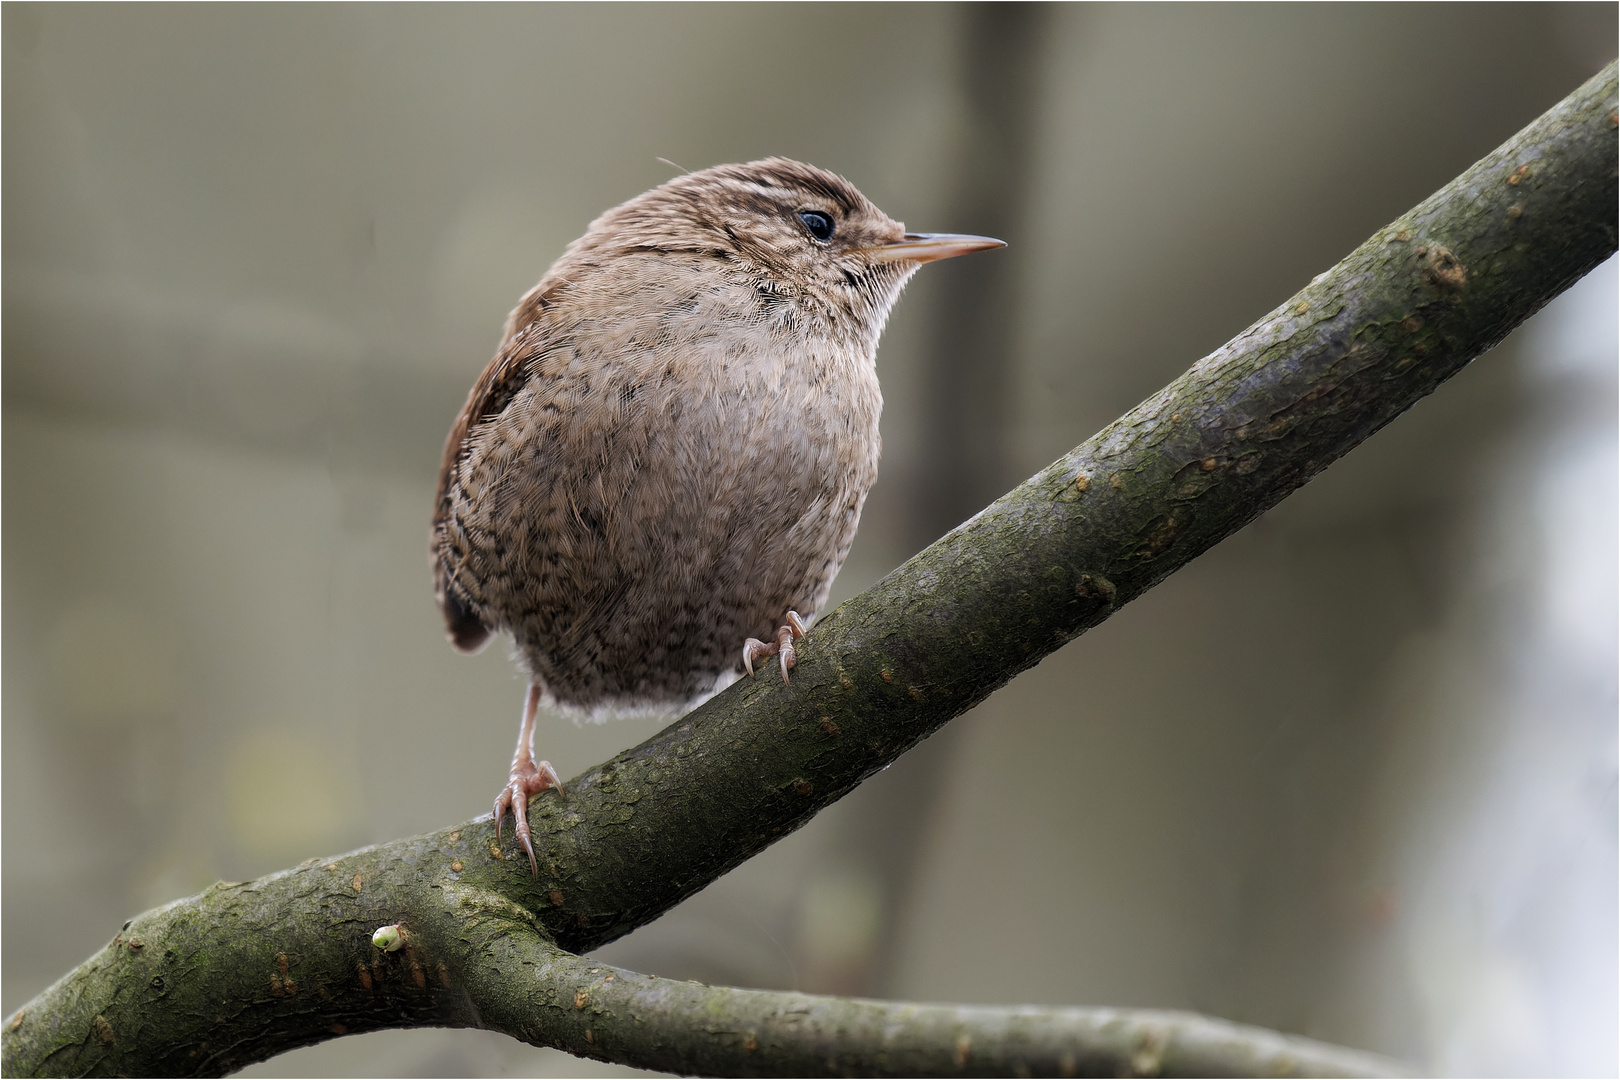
(242, 972)
(1197, 461)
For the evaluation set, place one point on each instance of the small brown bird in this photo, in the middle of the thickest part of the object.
(668, 455)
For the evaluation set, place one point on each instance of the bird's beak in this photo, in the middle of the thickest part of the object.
(927, 247)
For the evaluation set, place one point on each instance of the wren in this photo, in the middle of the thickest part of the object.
(655, 480)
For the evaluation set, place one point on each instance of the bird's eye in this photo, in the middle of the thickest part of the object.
(819, 224)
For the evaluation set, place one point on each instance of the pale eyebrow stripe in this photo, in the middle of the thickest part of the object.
(765, 190)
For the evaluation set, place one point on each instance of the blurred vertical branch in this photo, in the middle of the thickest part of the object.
(969, 348)
(969, 352)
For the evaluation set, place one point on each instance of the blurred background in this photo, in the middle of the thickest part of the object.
(1351, 775)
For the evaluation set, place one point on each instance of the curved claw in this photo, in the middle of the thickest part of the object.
(785, 636)
(755, 648)
(782, 647)
(520, 825)
(784, 652)
(524, 782)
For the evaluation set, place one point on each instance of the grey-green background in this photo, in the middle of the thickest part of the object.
(1352, 774)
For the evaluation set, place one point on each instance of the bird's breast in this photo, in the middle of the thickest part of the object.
(681, 475)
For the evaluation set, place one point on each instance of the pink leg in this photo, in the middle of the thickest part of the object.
(526, 778)
(755, 649)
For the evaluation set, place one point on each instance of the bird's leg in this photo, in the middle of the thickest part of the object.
(782, 647)
(526, 778)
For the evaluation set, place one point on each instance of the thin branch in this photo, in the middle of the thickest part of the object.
(555, 998)
(242, 972)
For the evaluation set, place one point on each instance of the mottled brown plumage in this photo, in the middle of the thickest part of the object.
(669, 452)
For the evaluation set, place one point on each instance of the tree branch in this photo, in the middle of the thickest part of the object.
(555, 998)
(245, 971)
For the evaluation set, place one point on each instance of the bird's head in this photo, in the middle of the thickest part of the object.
(807, 235)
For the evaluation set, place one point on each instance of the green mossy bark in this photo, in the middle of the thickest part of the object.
(244, 971)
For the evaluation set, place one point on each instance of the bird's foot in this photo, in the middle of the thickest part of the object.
(527, 779)
(782, 647)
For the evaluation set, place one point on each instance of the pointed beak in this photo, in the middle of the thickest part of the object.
(927, 247)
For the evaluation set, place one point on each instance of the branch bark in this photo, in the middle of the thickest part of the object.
(245, 971)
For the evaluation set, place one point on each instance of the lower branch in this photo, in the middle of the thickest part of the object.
(553, 998)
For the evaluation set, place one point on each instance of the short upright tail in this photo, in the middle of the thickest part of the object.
(467, 631)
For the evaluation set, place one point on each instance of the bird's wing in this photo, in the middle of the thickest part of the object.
(528, 330)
